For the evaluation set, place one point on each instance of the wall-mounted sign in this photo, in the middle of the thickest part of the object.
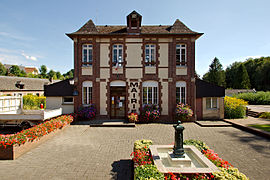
(134, 93)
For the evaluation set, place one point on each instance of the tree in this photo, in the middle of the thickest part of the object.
(52, 74)
(43, 71)
(69, 74)
(58, 75)
(3, 70)
(242, 78)
(15, 70)
(230, 74)
(216, 74)
(22, 73)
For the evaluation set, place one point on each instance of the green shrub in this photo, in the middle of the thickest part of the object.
(265, 115)
(258, 98)
(148, 172)
(197, 143)
(230, 173)
(33, 101)
(142, 144)
(234, 108)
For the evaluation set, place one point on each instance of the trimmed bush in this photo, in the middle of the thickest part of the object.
(33, 101)
(258, 98)
(234, 108)
(150, 113)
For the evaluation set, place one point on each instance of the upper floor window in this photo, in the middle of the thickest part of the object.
(87, 92)
(181, 92)
(87, 55)
(181, 51)
(150, 92)
(212, 103)
(150, 54)
(117, 55)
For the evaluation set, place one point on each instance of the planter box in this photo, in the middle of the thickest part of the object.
(15, 151)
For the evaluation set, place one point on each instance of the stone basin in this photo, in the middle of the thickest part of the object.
(193, 162)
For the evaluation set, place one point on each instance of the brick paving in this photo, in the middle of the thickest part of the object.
(83, 152)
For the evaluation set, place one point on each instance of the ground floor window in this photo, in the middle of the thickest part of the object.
(150, 92)
(181, 92)
(67, 100)
(87, 92)
(212, 103)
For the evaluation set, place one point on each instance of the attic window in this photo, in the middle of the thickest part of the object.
(19, 85)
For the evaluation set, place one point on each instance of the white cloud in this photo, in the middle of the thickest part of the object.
(33, 58)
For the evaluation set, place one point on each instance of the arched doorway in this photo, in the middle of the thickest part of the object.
(118, 99)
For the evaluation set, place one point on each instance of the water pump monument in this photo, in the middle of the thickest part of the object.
(180, 158)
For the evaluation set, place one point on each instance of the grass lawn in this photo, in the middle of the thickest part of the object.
(265, 127)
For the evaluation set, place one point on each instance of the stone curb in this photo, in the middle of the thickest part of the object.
(249, 129)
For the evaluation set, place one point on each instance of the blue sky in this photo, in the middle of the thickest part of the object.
(32, 32)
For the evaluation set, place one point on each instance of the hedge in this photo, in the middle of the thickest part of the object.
(234, 108)
(258, 98)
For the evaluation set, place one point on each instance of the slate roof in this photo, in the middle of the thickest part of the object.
(89, 28)
(206, 89)
(61, 88)
(8, 83)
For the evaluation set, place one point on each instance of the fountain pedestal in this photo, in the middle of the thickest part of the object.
(184, 161)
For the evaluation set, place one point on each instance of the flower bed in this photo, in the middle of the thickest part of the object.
(144, 167)
(150, 113)
(14, 145)
(87, 113)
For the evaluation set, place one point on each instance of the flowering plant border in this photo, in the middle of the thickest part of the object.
(142, 158)
(11, 142)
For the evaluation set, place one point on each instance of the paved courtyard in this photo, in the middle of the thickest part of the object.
(81, 152)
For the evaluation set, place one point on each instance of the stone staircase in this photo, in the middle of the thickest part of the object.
(253, 113)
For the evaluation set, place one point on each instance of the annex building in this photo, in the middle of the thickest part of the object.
(122, 68)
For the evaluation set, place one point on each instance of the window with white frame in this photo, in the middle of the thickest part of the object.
(211, 103)
(87, 92)
(181, 92)
(150, 92)
(150, 54)
(181, 55)
(87, 54)
(117, 55)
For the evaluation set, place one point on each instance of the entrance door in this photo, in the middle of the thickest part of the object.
(118, 102)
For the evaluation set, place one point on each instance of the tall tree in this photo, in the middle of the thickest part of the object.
(43, 71)
(15, 70)
(216, 74)
(3, 70)
(242, 78)
(230, 73)
(58, 75)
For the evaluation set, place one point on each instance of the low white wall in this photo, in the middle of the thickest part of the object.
(57, 102)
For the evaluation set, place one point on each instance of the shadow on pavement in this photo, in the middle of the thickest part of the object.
(122, 170)
(251, 139)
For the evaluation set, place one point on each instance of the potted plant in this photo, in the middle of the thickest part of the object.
(150, 113)
(132, 117)
(183, 112)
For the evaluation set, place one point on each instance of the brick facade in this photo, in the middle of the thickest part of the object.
(130, 39)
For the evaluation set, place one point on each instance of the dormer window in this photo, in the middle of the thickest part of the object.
(87, 55)
(134, 21)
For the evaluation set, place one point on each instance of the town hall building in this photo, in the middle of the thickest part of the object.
(121, 68)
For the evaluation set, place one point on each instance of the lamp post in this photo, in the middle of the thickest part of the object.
(178, 149)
